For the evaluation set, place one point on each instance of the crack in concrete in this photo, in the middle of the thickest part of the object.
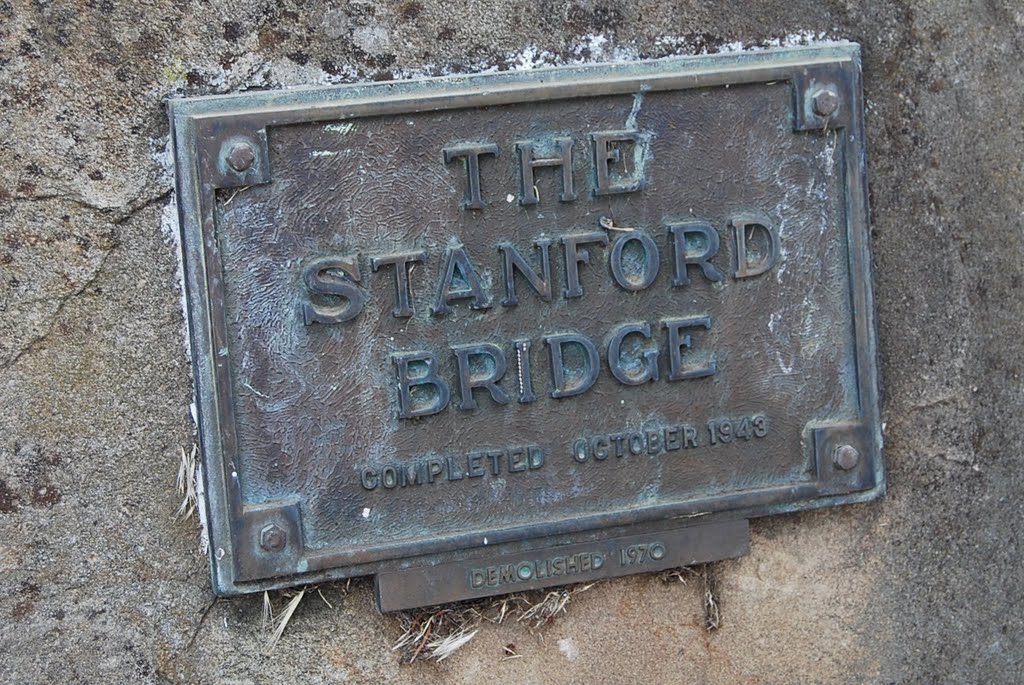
(128, 213)
(120, 214)
(63, 301)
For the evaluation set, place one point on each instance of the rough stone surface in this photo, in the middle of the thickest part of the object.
(99, 583)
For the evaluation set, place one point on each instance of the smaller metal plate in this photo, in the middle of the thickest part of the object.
(487, 575)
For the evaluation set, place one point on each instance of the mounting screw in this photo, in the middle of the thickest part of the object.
(241, 157)
(273, 538)
(825, 102)
(845, 457)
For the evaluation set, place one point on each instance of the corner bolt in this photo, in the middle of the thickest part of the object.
(825, 102)
(273, 538)
(845, 457)
(241, 157)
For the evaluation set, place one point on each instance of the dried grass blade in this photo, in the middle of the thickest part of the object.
(268, 613)
(282, 621)
(186, 483)
(444, 648)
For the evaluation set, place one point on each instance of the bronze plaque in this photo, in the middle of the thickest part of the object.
(442, 321)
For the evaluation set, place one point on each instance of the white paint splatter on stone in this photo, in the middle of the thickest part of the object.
(567, 646)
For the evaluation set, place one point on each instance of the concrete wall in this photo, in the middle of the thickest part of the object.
(99, 583)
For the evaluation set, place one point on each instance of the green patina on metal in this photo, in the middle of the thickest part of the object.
(441, 322)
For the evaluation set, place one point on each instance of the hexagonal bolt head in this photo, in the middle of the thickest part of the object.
(273, 538)
(825, 102)
(241, 157)
(845, 457)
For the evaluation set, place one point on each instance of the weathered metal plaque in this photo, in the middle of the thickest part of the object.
(459, 330)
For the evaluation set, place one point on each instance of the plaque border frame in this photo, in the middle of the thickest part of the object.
(203, 131)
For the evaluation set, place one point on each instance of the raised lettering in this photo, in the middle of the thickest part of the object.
(676, 341)
(471, 153)
(636, 443)
(653, 441)
(455, 472)
(684, 235)
(474, 469)
(638, 372)
(689, 436)
(607, 151)
(403, 293)
(335, 277)
(575, 256)
(526, 394)
(434, 469)
(579, 450)
(479, 366)
(459, 274)
(423, 394)
(580, 377)
(754, 261)
(513, 261)
(517, 460)
(495, 457)
(536, 457)
(528, 194)
(672, 439)
(645, 267)
(477, 578)
(369, 479)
